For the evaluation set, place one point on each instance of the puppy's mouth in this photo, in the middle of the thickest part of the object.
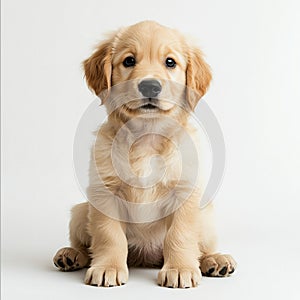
(145, 106)
(150, 104)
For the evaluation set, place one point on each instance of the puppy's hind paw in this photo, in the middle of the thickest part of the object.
(70, 259)
(217, 265)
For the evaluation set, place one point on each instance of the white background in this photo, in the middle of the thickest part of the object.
(253, 48)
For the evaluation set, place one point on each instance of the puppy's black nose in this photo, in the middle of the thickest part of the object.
(149, 88)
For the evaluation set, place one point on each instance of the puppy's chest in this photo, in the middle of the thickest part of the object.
(152, 157)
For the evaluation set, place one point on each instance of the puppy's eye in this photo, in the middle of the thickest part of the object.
(129, 61)
(170, 62)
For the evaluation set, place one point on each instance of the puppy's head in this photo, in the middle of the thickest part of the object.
(145, 69)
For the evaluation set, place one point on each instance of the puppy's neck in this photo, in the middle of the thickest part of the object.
(140, 125)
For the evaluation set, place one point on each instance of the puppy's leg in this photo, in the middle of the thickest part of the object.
(212, 264)
(108, 250)
(181, 251)
(75, 257)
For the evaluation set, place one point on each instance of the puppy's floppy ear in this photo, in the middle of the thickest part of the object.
(98, 69)
(198, 77)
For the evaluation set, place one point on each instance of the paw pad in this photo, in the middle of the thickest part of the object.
(69, 259)
(217, 265)
(223, 271)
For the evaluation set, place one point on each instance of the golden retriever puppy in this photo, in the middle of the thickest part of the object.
(143, 207)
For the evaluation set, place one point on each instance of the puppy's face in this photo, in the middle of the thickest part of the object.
(150, 57)
(144, 69)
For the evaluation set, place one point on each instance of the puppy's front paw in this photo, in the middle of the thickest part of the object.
(179, 277)
(106, 276)
(217, 265)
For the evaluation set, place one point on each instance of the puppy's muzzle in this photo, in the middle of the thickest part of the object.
(149, 88)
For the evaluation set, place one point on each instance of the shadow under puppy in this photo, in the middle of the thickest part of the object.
(136, 72)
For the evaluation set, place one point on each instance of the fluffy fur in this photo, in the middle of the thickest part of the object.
(183, 243)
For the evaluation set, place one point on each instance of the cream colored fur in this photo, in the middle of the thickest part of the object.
(184, 242)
